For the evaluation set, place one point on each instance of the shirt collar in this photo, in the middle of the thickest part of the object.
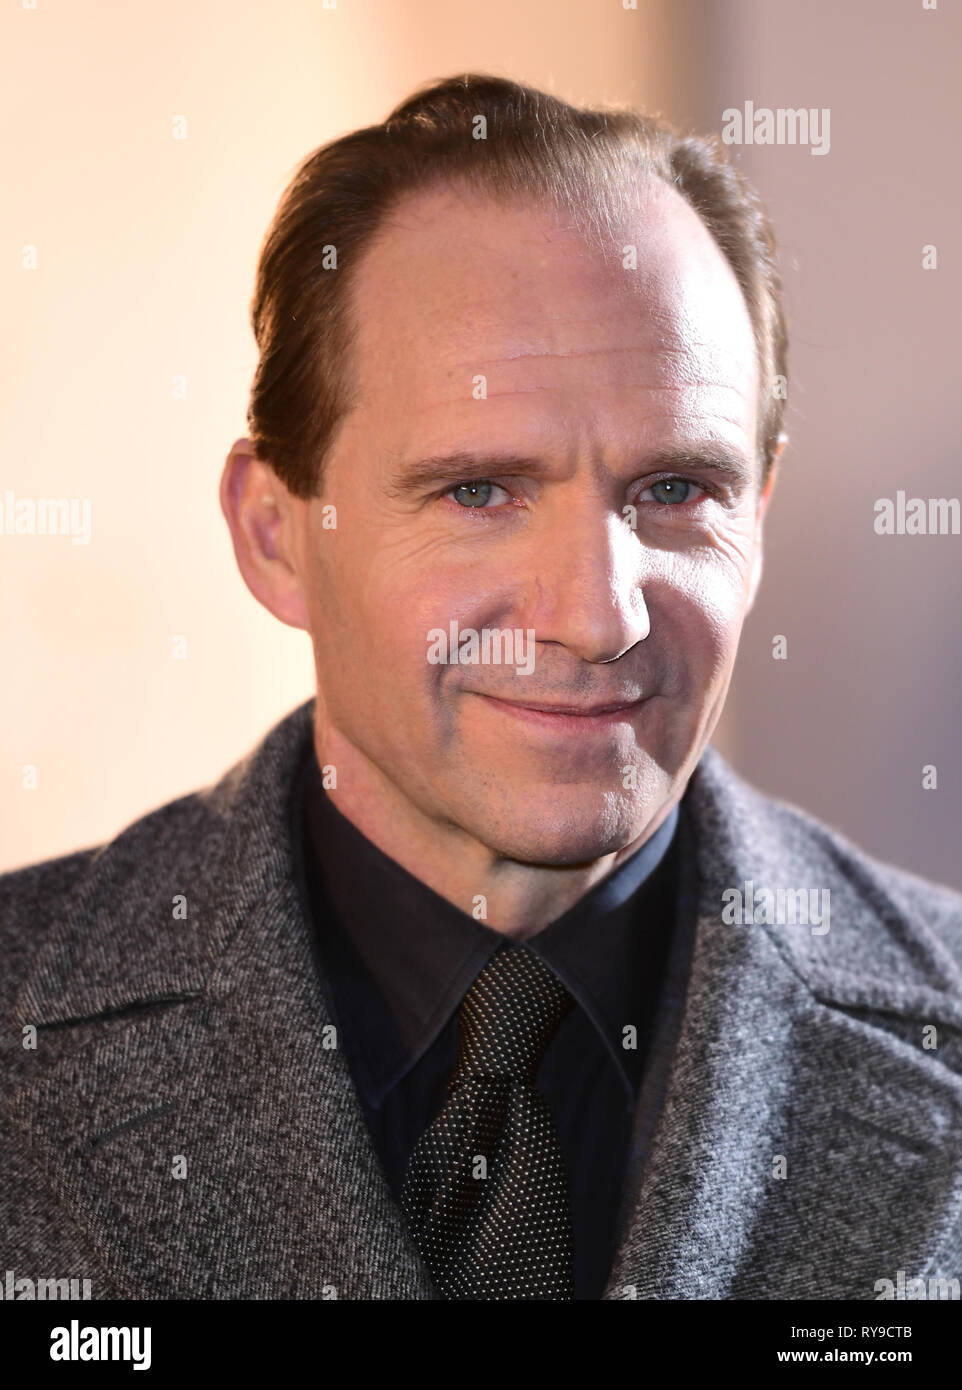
(400, 958)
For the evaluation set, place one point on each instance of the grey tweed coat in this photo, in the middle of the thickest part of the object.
(178, 1122)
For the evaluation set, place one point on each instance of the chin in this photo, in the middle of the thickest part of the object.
(559, 827)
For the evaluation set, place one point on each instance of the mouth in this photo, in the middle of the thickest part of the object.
(573, 718)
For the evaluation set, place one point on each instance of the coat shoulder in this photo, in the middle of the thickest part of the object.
(39, 898)
(99, 914)
(879, 911)
(31, 901)
(886, 887)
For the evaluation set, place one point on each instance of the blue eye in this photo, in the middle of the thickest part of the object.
(672, 490)
(474, 494)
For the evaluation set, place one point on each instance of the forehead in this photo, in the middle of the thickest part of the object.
(649, 331)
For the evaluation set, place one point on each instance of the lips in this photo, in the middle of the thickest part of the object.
(567, 717)
(578, 711)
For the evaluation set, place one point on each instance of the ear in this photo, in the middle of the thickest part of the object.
(761, 508)
(260, 514)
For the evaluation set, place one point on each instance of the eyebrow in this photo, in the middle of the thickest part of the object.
(464, 465)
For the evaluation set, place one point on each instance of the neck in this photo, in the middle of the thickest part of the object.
(519, 898)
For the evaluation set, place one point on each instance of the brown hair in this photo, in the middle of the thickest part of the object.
(532, 145)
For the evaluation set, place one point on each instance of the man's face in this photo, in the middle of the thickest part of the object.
(570, 390)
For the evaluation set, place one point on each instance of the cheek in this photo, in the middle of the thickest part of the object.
(697, 608)
(386, 630)
(404, 583)
(410, 601)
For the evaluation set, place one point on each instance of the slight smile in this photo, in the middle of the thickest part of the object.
(574, 718)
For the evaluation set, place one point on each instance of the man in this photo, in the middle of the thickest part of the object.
(484, 976)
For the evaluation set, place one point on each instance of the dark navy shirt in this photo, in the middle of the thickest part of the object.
(396, 959)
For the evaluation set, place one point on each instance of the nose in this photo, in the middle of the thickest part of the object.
(587, 578)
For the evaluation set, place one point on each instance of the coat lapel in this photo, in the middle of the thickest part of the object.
(193, 1115)
(793, 1058)
(199, 1121)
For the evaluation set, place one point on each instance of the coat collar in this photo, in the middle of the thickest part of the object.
(808, 1145)
(202, 1044)
(200, 1123)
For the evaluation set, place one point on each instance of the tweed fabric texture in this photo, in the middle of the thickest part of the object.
(131, 1037)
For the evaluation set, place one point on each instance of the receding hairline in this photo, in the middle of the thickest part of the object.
(509, 140)
(588, 229)
(600, 206)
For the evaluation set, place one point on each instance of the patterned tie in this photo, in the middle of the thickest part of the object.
(485, 1192)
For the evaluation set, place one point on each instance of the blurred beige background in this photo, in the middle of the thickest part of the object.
(139, 668)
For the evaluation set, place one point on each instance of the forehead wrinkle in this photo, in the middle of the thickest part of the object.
(579, 352)
(678, 352)
(531, 390)
(620, 388)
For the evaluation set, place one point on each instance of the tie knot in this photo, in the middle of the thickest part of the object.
(509, 1016)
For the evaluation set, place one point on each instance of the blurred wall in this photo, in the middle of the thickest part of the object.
(871, 691)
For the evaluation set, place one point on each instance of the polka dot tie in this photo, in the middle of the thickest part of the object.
(485, 1192)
